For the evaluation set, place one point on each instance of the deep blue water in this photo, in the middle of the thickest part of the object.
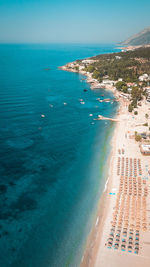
(51, 168)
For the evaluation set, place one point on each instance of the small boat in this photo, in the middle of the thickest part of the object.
(82, 102)
(51, 106)
(80, 99)
(65, 103)
(90, 115)
(42, 115)
(85, 90)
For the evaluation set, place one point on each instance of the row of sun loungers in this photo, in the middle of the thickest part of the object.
(129, 216)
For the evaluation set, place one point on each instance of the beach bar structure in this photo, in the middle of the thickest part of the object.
(145, 149)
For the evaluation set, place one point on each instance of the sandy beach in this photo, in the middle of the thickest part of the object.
(123, 241)
(121, 232)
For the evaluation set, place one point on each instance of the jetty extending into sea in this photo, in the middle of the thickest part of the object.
(100, 117)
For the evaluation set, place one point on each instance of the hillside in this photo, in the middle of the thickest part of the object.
(128, 72)
(142, 38)
(128, 65)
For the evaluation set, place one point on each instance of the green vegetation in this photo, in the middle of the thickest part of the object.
(145, 124)
(122, 86)
(96, 75)
(136, 95)
(130, 108)
(146, 116)
(76, 68)
(90, 68)
(138, 138)
(135, 113)
(127, 65)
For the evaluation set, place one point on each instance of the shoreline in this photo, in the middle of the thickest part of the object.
(99, 255)
(94, 83)
(104, 256)
(96, 252)
(95, 236)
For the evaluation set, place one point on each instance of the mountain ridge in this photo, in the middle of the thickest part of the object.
(141, 38)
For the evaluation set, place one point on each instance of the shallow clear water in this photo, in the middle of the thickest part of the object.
(51, 167)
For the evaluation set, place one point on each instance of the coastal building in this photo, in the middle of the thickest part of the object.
(131, 84)
(148, 94)
(88, 61)
(108, 82)
(145, 77)
(126, 96)
(118, 57)
(145, 149)
(81, 67)
(143, 135)
(129, 90)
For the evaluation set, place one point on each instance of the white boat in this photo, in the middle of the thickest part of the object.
(82, 103)
(65, 103)
(90, 115)
(42, 115)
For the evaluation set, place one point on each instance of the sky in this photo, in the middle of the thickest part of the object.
(72, 21)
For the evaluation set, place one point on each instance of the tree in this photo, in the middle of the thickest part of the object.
(130, 108)
(121, 85)
(96, 74)
(134, 103)
(146, 116)
(90, 68)
(125, 89)
(138, 138)
(136, 93)
(76, 68)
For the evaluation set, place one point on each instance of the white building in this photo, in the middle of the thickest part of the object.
(144, 77)
(81, 67)
(88, 61)
(148, 94)
(129, 90)
(117, 57)
(108, 82)
(145, 149)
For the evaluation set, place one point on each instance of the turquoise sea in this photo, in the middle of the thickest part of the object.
(51, 166)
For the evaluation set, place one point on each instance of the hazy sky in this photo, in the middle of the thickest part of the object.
(92, 21)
